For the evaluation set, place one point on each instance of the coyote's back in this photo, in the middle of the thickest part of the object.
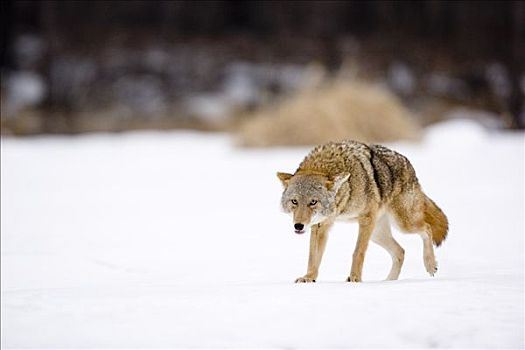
(382, 172)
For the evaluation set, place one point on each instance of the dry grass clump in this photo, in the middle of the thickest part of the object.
(335, 111)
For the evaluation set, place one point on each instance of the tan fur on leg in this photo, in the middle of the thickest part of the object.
(318, 238)
(428, 251)
(382, 236)
(366, 226)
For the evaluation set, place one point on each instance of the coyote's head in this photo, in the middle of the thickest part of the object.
(309, 198)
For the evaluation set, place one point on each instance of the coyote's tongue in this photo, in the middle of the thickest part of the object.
(299, 232)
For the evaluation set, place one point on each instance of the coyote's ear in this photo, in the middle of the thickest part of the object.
(284, 177)
(335, 183)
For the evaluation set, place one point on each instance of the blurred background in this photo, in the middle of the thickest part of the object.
(149, 238)
(271, 72)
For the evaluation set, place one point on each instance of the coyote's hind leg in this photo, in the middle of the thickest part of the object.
(428, 251)
(382, 235)
(409, 213)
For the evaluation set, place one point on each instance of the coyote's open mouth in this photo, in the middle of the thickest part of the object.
(299, 232)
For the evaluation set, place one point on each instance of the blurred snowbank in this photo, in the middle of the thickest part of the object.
(245, 86)
(24, 89)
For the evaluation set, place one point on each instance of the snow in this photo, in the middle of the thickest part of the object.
(175, 239)
(401, 78)
(24, 89)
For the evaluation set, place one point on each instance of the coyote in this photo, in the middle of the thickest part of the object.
(370, 184)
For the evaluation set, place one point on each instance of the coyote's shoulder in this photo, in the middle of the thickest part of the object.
(333, 158)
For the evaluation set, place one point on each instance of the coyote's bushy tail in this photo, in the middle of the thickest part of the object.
(437, 221)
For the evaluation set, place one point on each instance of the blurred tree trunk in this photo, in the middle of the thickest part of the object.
(6, 21)
(56, 108)
(516, 66)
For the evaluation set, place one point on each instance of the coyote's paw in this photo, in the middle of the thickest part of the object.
(305, 280)
(353, 278)
(431, 266)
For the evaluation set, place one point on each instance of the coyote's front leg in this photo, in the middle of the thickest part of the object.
(366, 226)
(318, 237)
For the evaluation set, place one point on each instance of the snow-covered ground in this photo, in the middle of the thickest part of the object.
(177, 240)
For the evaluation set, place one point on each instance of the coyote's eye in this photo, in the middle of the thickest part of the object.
(313, 202)
(294, 201)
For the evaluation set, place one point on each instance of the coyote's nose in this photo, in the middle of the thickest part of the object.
(298, 227)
